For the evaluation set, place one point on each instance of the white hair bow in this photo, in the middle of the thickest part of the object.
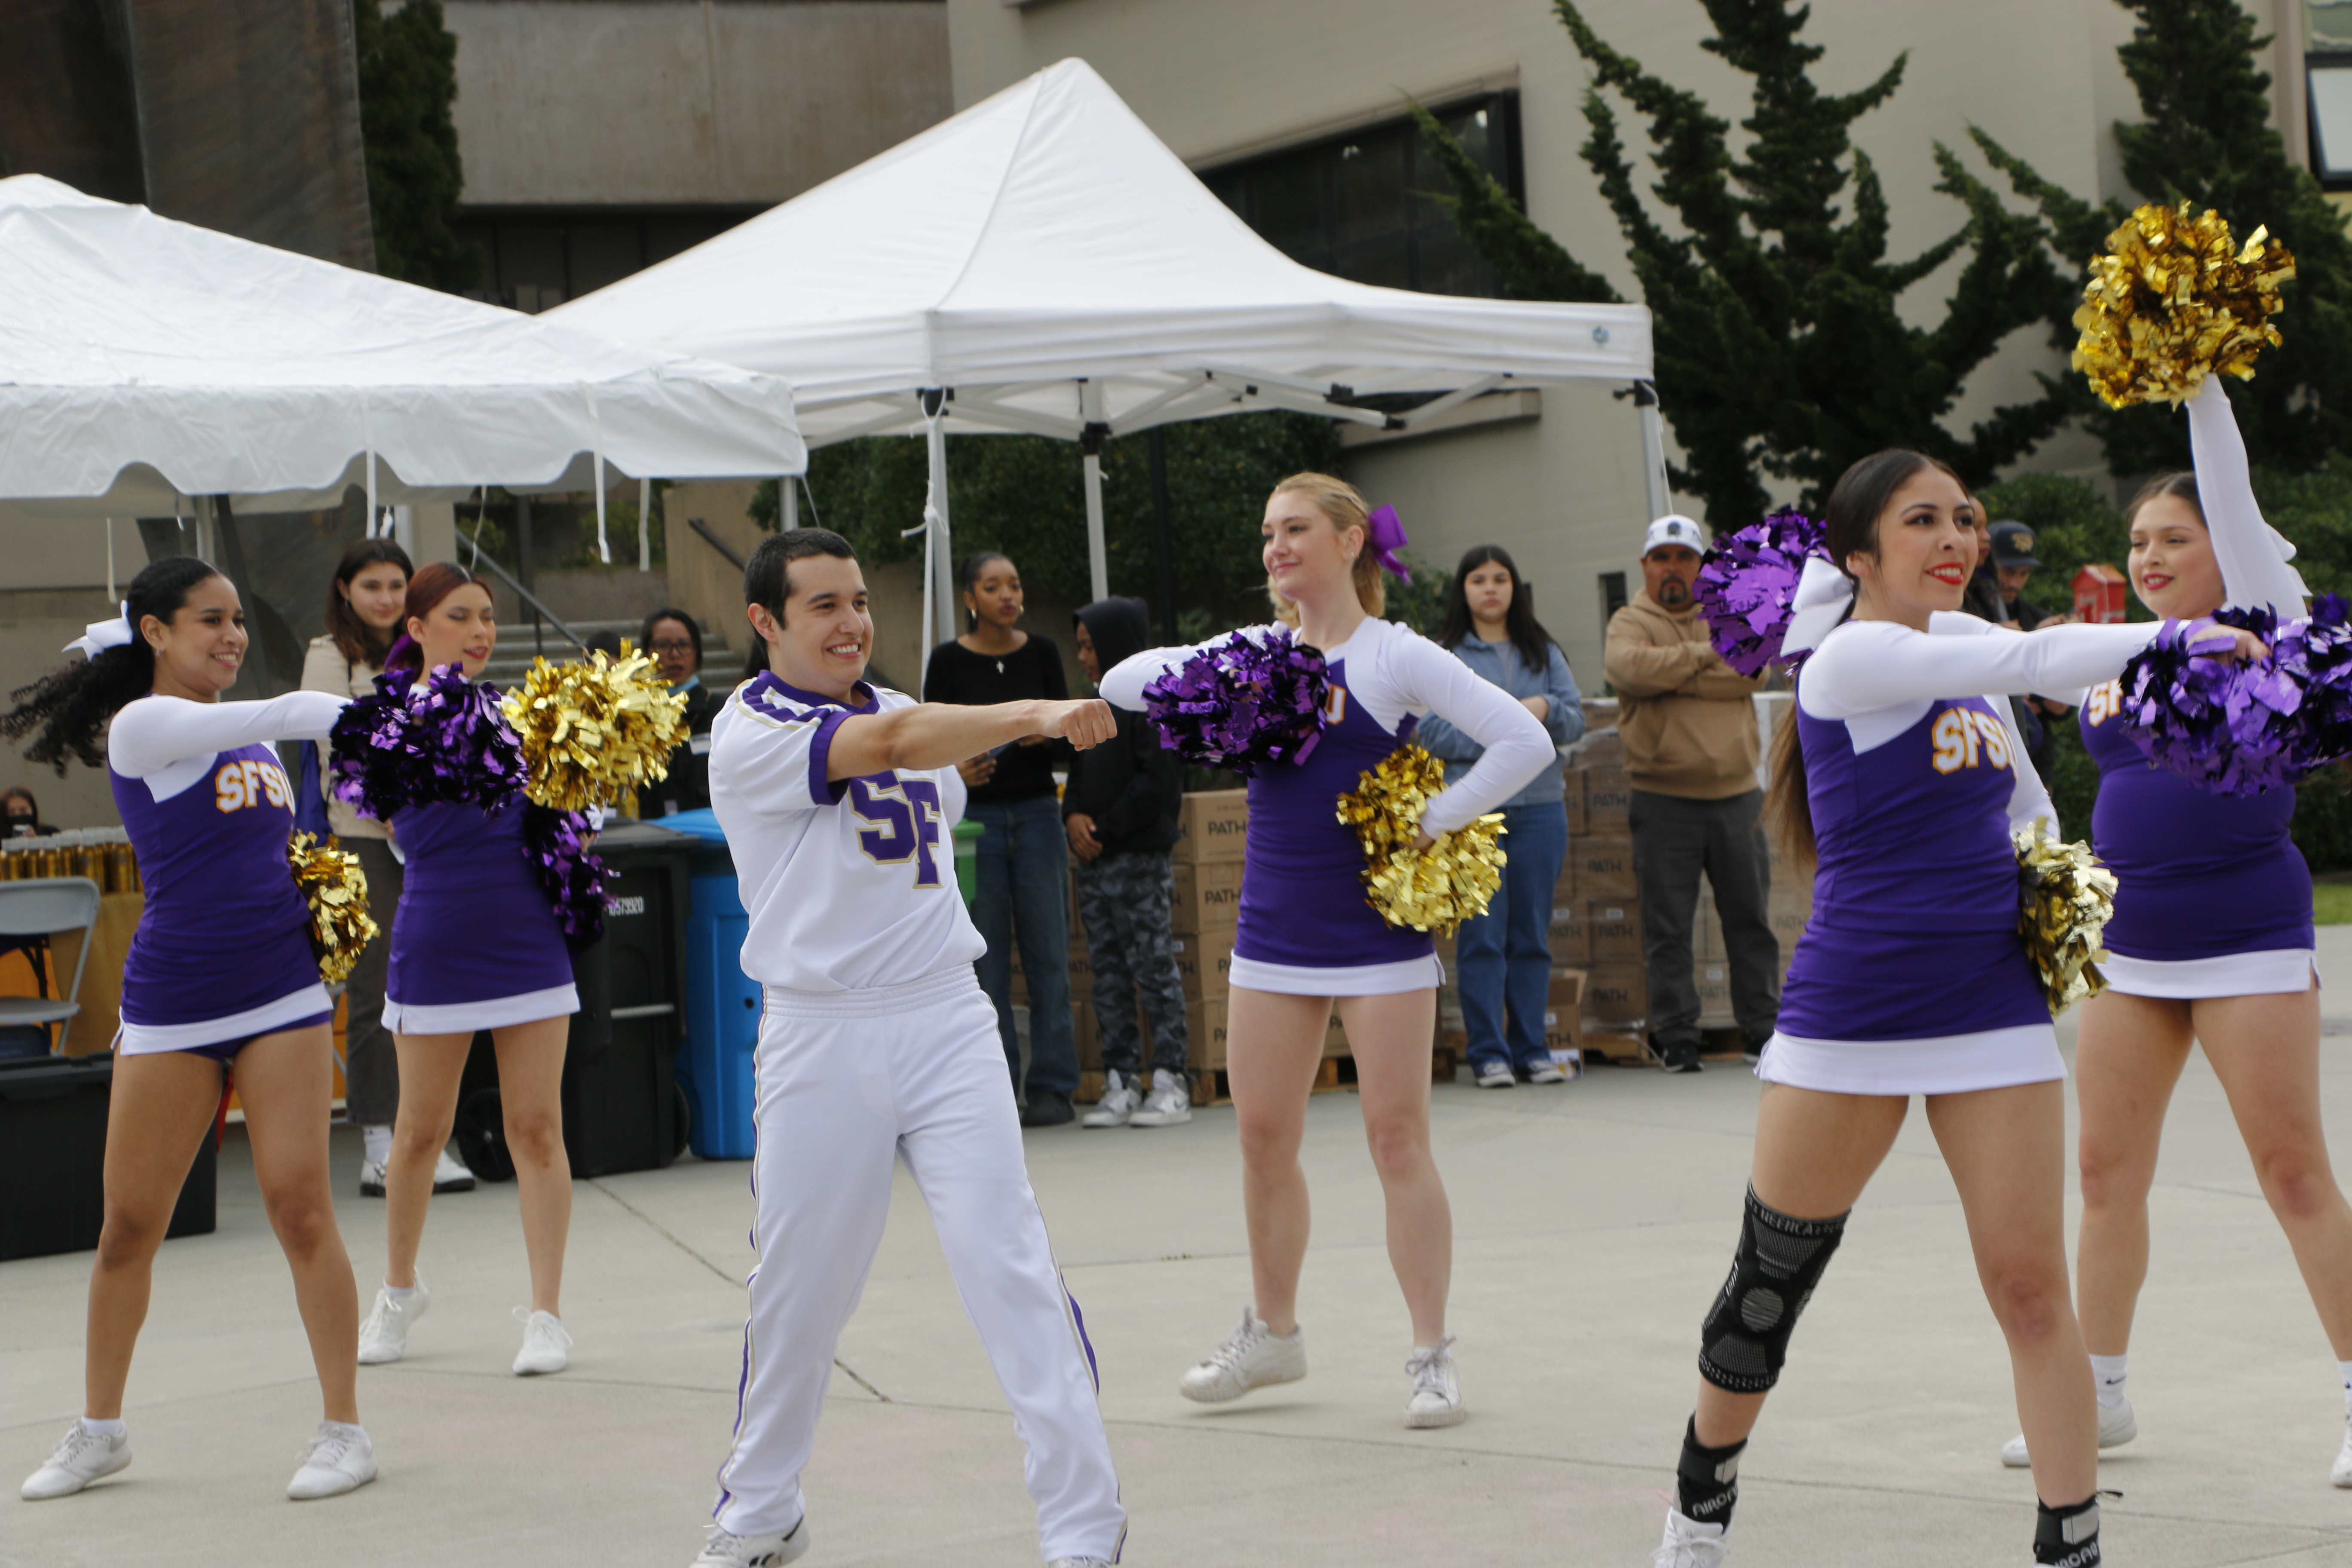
(100, 636)
(1822, 594)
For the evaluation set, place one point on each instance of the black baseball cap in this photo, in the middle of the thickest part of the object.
(2012, 545)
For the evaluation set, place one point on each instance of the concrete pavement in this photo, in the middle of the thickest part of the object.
(1593, 1223)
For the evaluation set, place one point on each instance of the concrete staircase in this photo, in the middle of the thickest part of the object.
(517, 648)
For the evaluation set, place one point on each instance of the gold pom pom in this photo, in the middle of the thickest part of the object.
(594, 727)
(336, 890)
(2172, 300)
(1435, 889)
(2066, 898)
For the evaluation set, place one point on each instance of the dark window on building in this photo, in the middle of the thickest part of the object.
(1612, 595)
(534, 260)
(1358, 205)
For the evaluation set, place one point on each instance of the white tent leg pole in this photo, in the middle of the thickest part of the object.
(644, 525)
(788, 503)
(1653, 450)
(930, 542)
(111, 597)
(941, 530)
(403, 529)
(1090, 410)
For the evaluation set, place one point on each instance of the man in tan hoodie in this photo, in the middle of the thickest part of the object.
(1691, 750)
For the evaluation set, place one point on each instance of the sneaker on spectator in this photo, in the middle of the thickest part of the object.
(383, 1338)
(339, 1460)
(1680, 1058)
(1253, 1357)
(1120, 1098)
(1546, 1072)
(1169, 1103)
(80, 1457)
(449, 1175)
(725, 1551)
(1494, 1075)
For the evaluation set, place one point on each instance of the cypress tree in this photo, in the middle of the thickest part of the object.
(409, 80)
(1780, 346)
(2207, 138)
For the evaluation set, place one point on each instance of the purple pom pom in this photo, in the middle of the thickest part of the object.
(572, 876)
(1748, 582)
(445, 742)
(2236, 728)
(1249, 701)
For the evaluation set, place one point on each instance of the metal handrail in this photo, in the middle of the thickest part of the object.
(528, 597)
(715, 542)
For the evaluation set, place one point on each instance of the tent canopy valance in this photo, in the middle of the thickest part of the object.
(143, 359)
(1041, 263)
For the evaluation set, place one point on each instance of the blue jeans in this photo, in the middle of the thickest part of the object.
(1023, 895)
(1503, 956)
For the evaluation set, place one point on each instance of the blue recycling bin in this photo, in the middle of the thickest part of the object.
(722, 1006)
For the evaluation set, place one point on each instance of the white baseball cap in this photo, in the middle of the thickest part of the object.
(1673, 528)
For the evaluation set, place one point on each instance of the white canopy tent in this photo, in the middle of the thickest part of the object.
(1041, 263)
(142, 361)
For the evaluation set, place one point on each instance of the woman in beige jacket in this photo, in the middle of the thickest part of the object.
(365, 604)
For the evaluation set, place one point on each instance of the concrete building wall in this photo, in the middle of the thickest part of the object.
(658, 102)
(1219, 80)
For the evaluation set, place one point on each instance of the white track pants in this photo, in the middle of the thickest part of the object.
(846, 1084)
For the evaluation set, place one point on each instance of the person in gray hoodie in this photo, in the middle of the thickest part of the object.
(1120, 811)
(1503, 958)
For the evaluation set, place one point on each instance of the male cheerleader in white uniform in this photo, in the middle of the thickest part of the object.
(876, 1044)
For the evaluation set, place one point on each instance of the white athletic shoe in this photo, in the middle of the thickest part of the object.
(449, 1175)
(1120, 1098)
(1255, 1356)
(1546, 1072)
(1688, 1543)
(2342, 1474)
(2118, 1425)
(339, 1460)
(1437, 1394)
(545, 1344)
(383, 1338)
(725, 1551)
(1169, 1103)
(1497, 1075)
(80, 1457)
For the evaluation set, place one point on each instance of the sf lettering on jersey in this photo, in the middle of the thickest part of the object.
(245, 782)
(907, 818)
(1965, 738)
(2106, 701)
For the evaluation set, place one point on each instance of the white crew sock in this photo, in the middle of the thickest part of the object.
(116, 1428)
(379, 1144)
(2345, 1367)
(396, 1293)
(2108, 1372)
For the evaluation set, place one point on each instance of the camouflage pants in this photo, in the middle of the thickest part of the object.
(1123, 902)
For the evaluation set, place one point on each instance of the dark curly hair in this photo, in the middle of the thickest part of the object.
(70, 707)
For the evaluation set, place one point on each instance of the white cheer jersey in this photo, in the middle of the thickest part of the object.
(851, 883)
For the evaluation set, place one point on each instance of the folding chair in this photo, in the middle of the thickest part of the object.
(48, 906)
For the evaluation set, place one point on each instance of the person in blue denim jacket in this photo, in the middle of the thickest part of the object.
(1503, 958)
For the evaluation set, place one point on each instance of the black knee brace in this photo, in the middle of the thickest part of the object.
(1780, 1259)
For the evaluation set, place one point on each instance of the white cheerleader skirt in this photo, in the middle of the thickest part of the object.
(2289, 971)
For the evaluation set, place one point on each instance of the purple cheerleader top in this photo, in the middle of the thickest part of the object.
(2197, 875)
(1914, 930)
(473, 924)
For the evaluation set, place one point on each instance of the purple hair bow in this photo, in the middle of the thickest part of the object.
(1387, 537)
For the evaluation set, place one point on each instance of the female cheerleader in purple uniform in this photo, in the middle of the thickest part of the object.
(1910, 978)
(2211, 944)
(1308, 942)
(475, 944)
(220, 977)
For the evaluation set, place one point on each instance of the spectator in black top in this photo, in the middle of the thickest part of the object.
(674, 639)
(2013, 563)
(1119, 814)
(20, 814)
(1022, 859)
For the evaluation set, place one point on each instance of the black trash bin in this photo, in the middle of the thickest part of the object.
(622, 1107)
(53, 1159)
